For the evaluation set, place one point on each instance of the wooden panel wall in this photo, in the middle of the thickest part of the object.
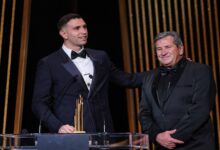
(13, 53)
(197, 21)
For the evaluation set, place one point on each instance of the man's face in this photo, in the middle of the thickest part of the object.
(75, 33)
(167, 51)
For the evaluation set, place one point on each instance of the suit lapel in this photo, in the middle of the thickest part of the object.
(70, 67)
(155, 87)
(176, 78)
(97, 80)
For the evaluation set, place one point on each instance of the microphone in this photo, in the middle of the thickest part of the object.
(90, 76)
(24, 131)
(40, 127)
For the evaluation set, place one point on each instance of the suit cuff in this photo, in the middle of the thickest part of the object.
(153, 133)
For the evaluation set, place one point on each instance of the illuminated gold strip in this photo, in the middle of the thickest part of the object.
(170, 16)
(217, 36)
(151, 33)
(134, 66)
(124, 33)
(9, 67)
(145, 49)
(191, 30)
(133, 60)
(199, 49)
(211, 38)
(131, 21)
(157, 16)
(137, 99)
(145, 38)
(184, 28)
(138, 36)
(2, 27)
(127, 61)
(164, 16)
(204, 32)
(218, 52)
(213, 61)
(140, 50)
(211, 43)
(1, 39)
(22, 67)
(176, 16)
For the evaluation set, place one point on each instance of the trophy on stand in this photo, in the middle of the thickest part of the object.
(78, 118)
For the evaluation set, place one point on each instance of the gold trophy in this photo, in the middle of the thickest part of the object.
(78, 118)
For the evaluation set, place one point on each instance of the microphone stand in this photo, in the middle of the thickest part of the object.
(105, 140)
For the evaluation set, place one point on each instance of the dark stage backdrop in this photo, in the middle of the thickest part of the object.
(104, 34)
(197, 21)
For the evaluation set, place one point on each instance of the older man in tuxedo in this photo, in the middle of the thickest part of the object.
(74, 70)
(177, 98)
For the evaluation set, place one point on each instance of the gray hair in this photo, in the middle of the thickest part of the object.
(175, 35)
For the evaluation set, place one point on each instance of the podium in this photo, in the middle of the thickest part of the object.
(84, 141)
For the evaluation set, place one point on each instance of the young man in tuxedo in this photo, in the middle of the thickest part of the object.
(177, 98)
(75, 70)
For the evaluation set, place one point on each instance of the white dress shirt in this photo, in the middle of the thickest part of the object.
(84, 65)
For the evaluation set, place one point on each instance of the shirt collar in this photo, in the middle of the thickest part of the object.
(68, 50)
(181, 64)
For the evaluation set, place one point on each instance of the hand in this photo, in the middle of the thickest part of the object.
(66, 129)
(189, 59)
(166, 140)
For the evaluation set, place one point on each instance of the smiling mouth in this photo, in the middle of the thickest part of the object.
(83, 37)
(165, 57)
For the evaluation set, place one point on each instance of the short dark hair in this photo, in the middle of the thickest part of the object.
(66, 18)
(174, 34)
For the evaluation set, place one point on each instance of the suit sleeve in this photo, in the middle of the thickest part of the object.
(145, 116)
(121, 78)
(202, 103)
(42, 97)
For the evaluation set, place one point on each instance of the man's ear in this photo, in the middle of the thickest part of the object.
(181, 50)
(63, 34)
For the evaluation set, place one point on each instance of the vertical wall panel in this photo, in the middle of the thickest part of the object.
(150, 18)
(10, 70)
(123, 11)
(164, 16)
(9, 65)
(177, 16)
(189, 9)
(145, 35)
(2, 26)
(198, 34)
(197, 22)
(204, 35)
(156, 16)
(213, 61)
(170, 11)
(22, 68)
(184, 28)
(131, 102)
(138, 37)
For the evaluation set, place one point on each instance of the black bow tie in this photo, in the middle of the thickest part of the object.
(165, 71)
(82, 54)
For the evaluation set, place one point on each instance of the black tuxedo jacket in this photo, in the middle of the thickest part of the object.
(187, 109)
(59, 83)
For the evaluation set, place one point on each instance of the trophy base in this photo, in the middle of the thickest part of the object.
(79, 132)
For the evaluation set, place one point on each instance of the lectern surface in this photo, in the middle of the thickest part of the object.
(85, 141)
(63, 142)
